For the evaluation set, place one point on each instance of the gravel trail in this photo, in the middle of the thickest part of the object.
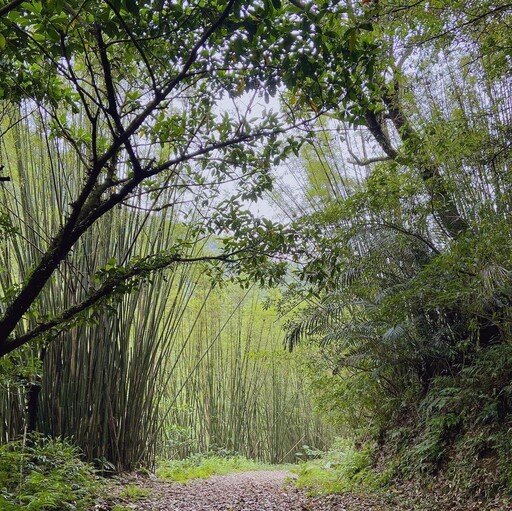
(247, 491)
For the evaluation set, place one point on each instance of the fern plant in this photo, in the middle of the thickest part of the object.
(44, 474)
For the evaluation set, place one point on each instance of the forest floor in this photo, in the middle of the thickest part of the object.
(264, 490)
(272, 490)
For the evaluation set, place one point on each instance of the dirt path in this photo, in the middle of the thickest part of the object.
(248, 491)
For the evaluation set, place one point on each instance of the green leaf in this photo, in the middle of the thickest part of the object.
(366, 26)
(352, 40)
(3, 41)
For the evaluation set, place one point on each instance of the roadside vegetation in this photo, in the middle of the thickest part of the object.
(342, 469)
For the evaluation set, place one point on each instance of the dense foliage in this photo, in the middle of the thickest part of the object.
(129, 150)
(136, 136)
(131, 95)
(408, 223)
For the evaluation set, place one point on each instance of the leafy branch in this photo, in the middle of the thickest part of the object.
(117, 283)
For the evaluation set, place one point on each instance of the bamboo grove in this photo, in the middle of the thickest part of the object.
(138, 139)
(116, 381)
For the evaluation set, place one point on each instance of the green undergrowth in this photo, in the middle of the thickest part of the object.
(44, 474)
(128, 496)
(202, 467)
(134, 493)
(452, 440)
(344, 468)
(463, 430)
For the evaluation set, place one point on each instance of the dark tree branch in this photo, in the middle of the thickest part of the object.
(112, 101)
(397, 228)
(135, 42)
(374, 124)
(75, 224)
(467, 23)
(108, 288)
(6, 9)
(443, 204)
(367, 161)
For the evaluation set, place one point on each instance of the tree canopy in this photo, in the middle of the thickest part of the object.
(140, 96)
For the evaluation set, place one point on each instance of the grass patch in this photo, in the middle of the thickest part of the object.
(134, 493)
(202, 467)
(342, 469)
